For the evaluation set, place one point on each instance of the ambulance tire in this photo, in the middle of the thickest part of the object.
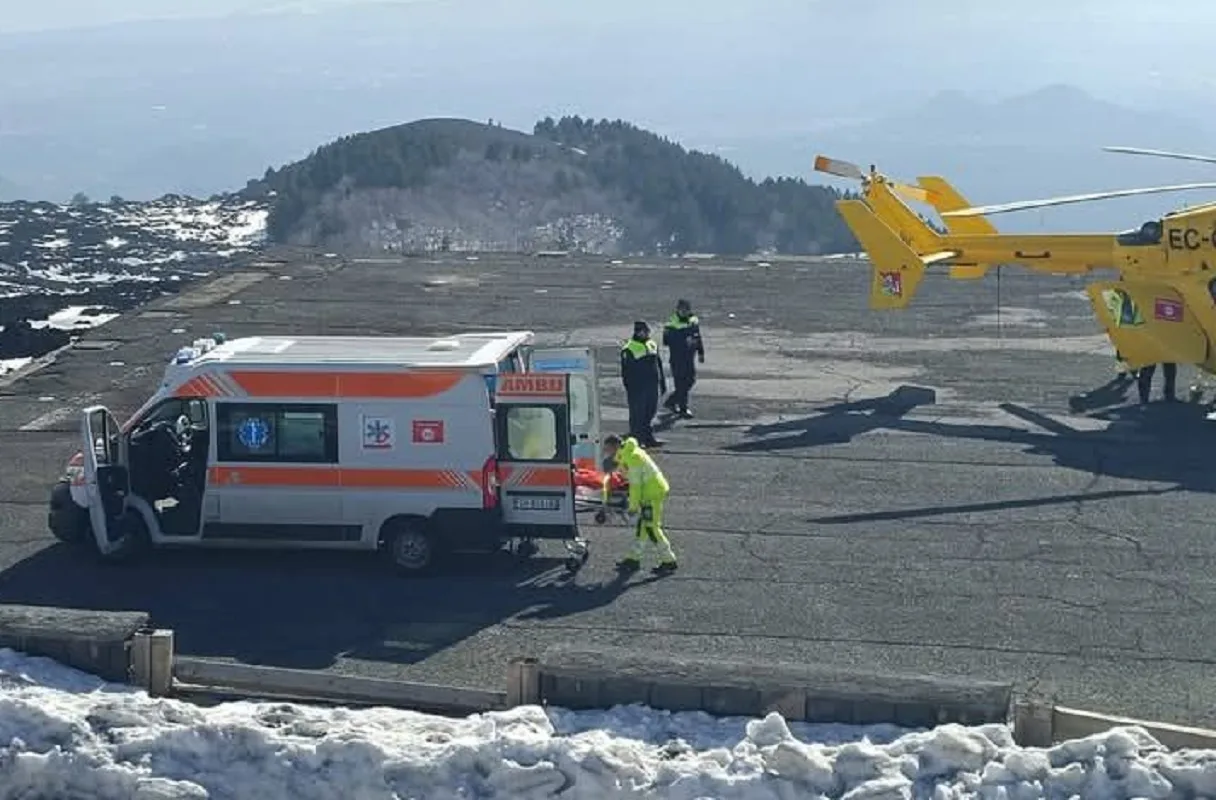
(408, 545)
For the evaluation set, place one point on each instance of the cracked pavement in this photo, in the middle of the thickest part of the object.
(901, 491)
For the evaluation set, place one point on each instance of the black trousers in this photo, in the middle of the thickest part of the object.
(1144, 381)
(682, 380)
(643, 405)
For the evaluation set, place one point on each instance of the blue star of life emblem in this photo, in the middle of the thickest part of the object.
(254, 433)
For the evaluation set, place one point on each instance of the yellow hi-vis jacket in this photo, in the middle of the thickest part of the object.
(647, 484)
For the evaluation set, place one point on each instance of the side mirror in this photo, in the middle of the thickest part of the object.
(183, 427)
(197, 410)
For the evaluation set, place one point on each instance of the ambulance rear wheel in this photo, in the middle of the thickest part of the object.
(408, 545)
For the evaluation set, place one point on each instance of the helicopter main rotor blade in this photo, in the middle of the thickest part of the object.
(1023, 205)
(1140, 151)
(841, 169)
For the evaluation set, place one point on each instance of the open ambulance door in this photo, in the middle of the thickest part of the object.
(1161, 330)
(535, 477)
(586, 425)
(106, 476)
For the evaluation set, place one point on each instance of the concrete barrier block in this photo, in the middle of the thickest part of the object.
(732, 687)
(876, 711)
(570, 692)
(730, 701)
(1072, 723)
(623, 690)
(918, 715)
(675, 697)
(789, 703)
(1032, 723)
(824, 709)
(92, 641)
(523, 683)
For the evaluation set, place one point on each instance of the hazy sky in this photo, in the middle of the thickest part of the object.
(152, 107)
(1097, 40)
(27, 15)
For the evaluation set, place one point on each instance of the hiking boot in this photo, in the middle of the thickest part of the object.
(666, 568)
(629, 565)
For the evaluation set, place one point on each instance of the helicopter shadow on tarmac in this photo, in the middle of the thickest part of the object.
(1168, 443)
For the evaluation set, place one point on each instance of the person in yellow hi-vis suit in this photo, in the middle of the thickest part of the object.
(648, 489)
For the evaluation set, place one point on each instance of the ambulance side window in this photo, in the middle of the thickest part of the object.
(292, 433)
(531, 433)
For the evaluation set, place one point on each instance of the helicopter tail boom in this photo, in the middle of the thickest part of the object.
(896, 269)
(944, 197)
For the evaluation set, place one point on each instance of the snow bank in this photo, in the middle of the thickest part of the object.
(67, 735)
(8, 365)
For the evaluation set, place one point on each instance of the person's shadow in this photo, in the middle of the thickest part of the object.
(1112, 393)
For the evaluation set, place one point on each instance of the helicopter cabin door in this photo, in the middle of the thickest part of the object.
(1148, 323)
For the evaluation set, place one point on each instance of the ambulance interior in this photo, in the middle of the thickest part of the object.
(167, 457)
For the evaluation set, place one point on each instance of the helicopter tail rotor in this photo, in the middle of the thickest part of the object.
(847, 169)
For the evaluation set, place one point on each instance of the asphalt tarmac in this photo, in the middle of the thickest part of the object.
(903, 491)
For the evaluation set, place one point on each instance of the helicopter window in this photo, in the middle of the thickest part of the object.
(1148, 234)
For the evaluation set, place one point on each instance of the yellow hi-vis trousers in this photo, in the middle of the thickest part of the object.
(650, 531)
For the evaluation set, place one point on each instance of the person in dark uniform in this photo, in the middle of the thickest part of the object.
(644, 379)
(682, 338)
(1144, 381)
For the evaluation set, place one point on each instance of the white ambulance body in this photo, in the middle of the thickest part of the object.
(411, 445)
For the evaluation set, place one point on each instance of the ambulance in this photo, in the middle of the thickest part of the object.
(413, 447)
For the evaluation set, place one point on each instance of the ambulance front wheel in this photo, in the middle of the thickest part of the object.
(408, 545)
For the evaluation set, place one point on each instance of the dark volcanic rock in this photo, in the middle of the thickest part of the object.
(116, 255)
(21, 339)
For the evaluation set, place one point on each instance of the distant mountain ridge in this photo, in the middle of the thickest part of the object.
(571, 184)
(1039, 144)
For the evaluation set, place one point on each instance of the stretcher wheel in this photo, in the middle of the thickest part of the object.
(578, 551)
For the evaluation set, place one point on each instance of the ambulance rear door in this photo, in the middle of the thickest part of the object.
(586, 425)
(532, 435)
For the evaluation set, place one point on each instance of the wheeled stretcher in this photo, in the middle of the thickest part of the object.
(604, 494)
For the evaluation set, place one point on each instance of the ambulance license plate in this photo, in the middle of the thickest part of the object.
(533, 503)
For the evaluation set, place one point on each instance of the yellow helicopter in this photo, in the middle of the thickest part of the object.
(1161, 308)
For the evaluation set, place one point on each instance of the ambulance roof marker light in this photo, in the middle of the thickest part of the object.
(185, 355)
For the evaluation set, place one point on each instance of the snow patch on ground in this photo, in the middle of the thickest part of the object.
(75, 318)
(10, 365)
(67, 735)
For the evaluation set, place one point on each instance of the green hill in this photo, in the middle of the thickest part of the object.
(571, 184)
